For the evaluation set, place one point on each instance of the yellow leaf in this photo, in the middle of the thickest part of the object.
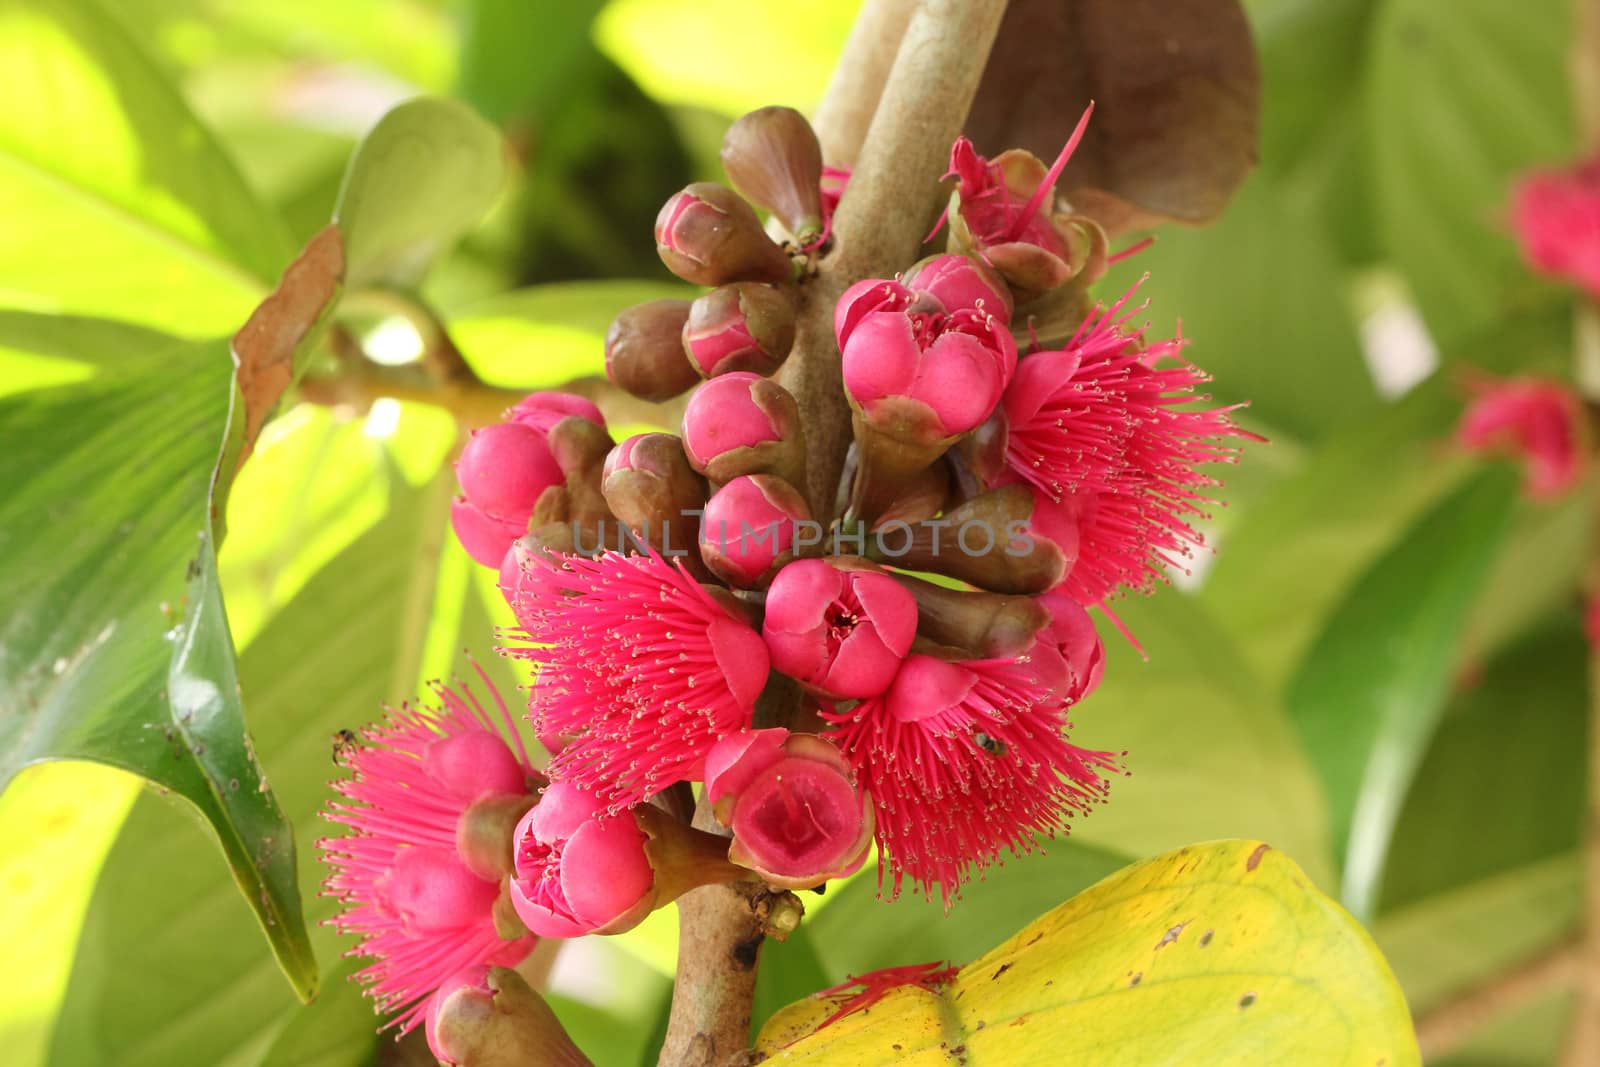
(1220, 953)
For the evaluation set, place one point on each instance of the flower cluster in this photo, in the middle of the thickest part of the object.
(889, 660)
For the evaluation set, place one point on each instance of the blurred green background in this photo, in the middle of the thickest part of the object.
(1380, 671)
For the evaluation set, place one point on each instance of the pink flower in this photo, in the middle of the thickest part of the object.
(796, 814)
(938, 374)
(1536, 420)
(748, 529)
(957, 282)
(579, 869)
(640, 665)
(839, 632)
(1003, 210)
(963, 760)
(1100, 429)
(422, 908)
(1556, 215)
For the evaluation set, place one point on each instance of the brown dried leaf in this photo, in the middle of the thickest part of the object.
(264, 349)
(1176, 92)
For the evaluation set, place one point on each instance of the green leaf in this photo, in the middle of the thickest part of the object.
(111, 651)
(1229, 750)
(546, 335)
(496, 76)
(1460, 98)
(119, 201)
(335, 1030)
(1452, 941)
(1321, 527)
(1291, 351)
(1216, 953)
(1446, 836)
(424, 176)
(341, 648)
(1368, 695)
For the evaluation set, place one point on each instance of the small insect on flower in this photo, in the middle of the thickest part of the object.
(344, 744)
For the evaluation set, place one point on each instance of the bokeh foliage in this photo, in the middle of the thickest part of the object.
(1379, 674)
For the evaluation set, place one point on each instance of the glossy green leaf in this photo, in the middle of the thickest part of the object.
(1217, 953)
(1226, 761)
(118, 201)
(115, 646)
(1290, 350)
(1317, 530)
(1518, 722)
(325, 663)
(425, 175)
(1461, 97)
(1368, 695)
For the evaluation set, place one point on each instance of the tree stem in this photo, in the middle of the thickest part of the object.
(887, 208)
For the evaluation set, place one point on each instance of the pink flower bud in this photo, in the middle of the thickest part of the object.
(722, 416)
(579, 870)
(429, 890)
(469, 766)
(486, 539)
(503, 470)
(744, 326)
(958, 282)
(742, 423)
(748, 529)
(544, 409)
(947, 369)
(839, 632)
(796, 814)
(709, 236)
(1067, 655)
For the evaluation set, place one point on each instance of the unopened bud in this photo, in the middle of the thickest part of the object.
(772, 157)
(644, 350)
(979, 625)
(742, 423)
(748, 530)
(708, 235)
(490, 1017)
(650, 487)
(485, 538)
(580, 448)
(991, 541)
(744, 326)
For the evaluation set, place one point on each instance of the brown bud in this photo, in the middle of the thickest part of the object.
(894, 446)
(922, 497)
(980, 625)
(745, 326)
(708, 235)
(987, 542)
(651, 488)
(772, 157)
(495, 1019)
(644, 350)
